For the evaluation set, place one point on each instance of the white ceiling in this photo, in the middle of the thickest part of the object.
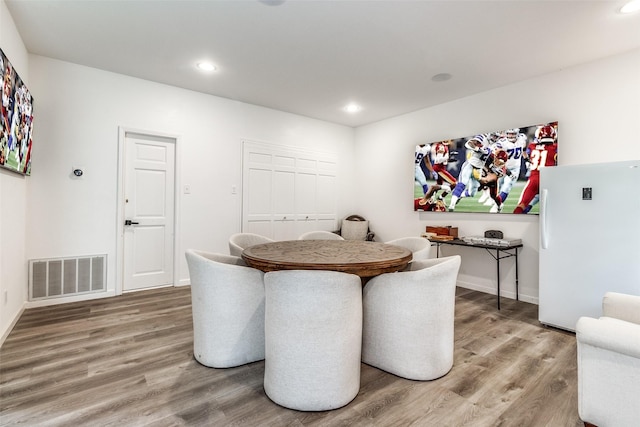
(313, 57)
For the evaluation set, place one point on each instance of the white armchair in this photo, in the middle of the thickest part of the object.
(355, 227)
(227, 303)
(313, 330)
(419, 246)
(409, 319)
(609, 363)
(240, 241)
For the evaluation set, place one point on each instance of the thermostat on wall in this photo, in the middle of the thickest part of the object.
(77, 171)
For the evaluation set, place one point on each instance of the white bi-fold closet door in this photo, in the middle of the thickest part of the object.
(287, 191)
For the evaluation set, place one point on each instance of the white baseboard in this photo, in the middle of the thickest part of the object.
(6, 333)
(64, 300)
(492, 291)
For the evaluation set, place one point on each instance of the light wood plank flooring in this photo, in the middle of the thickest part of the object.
(128, 361)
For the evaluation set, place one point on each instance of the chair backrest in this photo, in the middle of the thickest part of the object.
(227, 303)
(419, 246)
(409, 319)
(621, 306)
(434, 279)
(240, 241)
(608, 350)
(354, 229)
(313, 328)
(320, 235)
(222, 258)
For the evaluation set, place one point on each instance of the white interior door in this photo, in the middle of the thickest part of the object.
(149, 183)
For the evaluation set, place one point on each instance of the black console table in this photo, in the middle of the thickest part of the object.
(501, 252)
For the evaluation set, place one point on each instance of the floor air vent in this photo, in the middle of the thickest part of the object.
(63, 277)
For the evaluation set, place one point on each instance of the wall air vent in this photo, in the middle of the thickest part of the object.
(63, 277)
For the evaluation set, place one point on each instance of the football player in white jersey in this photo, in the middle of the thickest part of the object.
(514, 143)
(471, 170)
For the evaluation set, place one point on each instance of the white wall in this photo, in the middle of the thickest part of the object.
(78, 111)
(13, 199)
(598, 109)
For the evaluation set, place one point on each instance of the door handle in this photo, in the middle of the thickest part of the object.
(129, 222)
(544, 235)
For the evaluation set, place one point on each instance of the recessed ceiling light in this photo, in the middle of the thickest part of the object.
(630, 7)
(272, 2)
(442, 77)
(352, 108)
(206, 66)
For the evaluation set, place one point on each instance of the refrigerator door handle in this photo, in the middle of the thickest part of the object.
(544, 237)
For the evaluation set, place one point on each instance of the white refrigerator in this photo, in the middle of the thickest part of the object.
(589, 238)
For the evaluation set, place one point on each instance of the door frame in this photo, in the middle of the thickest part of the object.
(120, 205)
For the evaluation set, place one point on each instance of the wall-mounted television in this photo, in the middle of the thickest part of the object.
(17, 120)
(492, 172)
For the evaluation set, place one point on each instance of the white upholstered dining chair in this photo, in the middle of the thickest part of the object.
(313, 336)
(240, 241)
(355, 227)
(320, 235)
(409, 318)
(419, 246)
(227, 303)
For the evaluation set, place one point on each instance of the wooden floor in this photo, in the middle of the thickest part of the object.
(128, 361)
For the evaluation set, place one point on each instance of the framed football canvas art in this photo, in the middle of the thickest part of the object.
(493, 172)
(16, 120)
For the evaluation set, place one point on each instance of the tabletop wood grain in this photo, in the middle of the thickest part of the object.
(365, 259)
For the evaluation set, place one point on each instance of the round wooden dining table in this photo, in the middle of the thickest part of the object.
(365, 259)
